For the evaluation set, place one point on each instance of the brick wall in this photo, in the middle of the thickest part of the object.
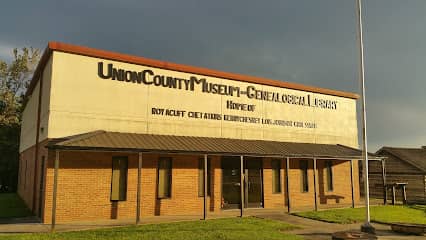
(299, 199)
(341, 194)
(216, 184)
(84, 186)
(26, 176)
(273, 200)
(27, 169)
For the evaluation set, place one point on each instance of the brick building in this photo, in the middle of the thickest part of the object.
(112, 136)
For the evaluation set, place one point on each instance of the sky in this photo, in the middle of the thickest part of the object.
(311, 42)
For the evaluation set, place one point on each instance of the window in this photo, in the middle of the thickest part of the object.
(164, 176)
(304, 174)
(276, 176)
(329, 174)
(119, 178)
(201, 177)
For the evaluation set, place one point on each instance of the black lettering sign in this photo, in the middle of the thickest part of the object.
(179, 113)
(149, 77)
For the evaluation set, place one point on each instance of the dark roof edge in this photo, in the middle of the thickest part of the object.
(91, 52)
(135, 150)
(84, 136)
(61, 144)
(403, 148)
(389, 150)
(369, 153)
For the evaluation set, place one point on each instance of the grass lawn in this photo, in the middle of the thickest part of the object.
(388, 214)
(230, 228)
(12, 206)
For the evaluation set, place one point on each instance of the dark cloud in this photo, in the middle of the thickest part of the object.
(305, 41)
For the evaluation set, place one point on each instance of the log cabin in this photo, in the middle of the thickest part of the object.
(402, 165)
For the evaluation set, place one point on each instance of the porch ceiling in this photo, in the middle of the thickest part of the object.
(133, 142)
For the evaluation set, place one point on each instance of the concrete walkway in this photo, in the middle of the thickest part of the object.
(310, 229)
(36, 227)
(32, 225)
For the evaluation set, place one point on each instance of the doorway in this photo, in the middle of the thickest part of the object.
(253, 183)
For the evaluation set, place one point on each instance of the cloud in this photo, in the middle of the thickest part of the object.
(303, 41)
(395, 124)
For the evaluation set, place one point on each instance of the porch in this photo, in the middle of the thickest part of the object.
(291, 181)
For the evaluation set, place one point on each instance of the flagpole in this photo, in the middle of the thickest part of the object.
(366, 227)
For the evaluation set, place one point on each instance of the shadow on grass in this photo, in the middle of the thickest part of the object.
(12, 206)
(418, 207)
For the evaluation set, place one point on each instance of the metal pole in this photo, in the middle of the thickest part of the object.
(55, 190)
(287, 187)
(242, 185)
(385, 192)
(205, 187)
(315, 184)
(393, 194)
(138, 192)
(366, 226)
(352, 184)
(404, 195)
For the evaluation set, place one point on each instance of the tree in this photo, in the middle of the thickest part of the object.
(14, 80)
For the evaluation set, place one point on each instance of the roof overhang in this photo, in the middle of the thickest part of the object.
(102, 141)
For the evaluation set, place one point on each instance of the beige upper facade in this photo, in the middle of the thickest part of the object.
(83, 93)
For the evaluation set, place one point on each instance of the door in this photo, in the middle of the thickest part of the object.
(253, 183)
(231, 183)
